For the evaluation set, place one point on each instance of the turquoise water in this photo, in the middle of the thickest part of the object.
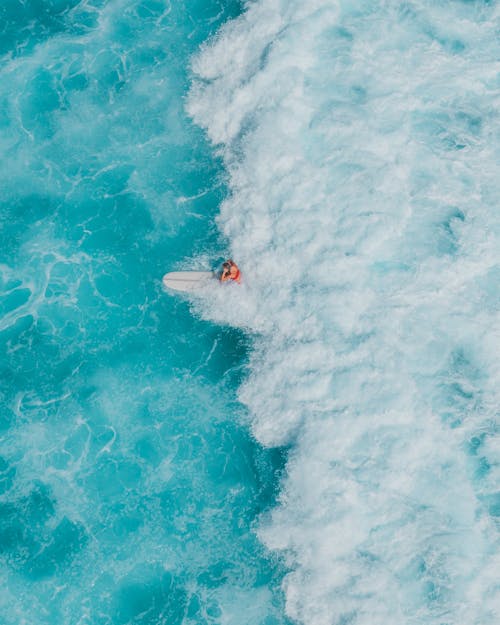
(129, 482)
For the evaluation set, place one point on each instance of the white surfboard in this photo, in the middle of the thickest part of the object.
(187, 281)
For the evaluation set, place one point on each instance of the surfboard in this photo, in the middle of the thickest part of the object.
(187, 281)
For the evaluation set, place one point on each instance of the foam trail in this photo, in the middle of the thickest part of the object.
(361, 144)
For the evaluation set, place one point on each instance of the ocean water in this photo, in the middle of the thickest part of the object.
(318, 445)
(129, 481)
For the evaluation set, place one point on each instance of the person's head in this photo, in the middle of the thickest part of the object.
(233, 270)
(226, 266)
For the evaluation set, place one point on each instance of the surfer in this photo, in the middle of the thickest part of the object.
(230, 272)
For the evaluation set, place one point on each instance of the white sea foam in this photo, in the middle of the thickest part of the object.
(361, 141)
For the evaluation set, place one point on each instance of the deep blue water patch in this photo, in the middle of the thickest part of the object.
(25, 23)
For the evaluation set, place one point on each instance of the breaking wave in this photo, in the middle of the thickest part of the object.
(361, 145)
